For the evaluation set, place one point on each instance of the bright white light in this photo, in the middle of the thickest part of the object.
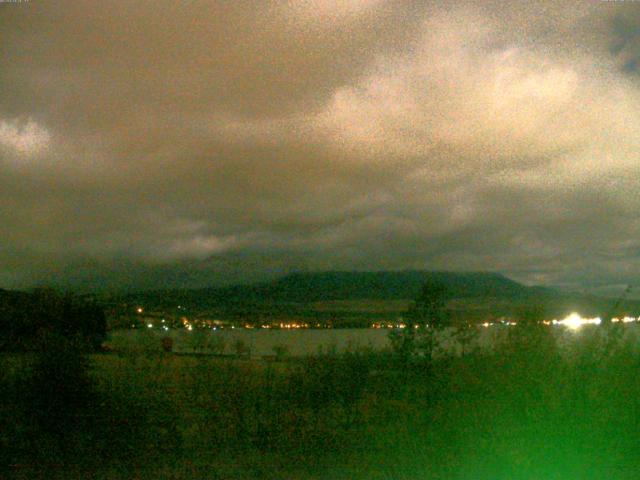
(575, 321)
(149, 325)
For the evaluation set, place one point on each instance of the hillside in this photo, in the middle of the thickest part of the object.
(327, 286)
(312, 287)
(355, 298)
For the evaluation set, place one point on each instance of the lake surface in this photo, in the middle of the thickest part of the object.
(260, 342)
(265, 342)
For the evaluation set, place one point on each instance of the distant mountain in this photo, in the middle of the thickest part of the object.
(385, 285)
(359, 298)
(306, 288)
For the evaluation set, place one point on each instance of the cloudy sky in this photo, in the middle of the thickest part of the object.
(186, 142)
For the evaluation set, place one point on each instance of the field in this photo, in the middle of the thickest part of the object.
(530, 409)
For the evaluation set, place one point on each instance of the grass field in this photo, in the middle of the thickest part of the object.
(525, 411)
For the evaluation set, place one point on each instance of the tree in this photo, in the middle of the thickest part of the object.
(429, 308)
(25, 317)
(59, 388)
(426, 315)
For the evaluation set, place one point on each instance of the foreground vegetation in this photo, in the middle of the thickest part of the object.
(527, 410)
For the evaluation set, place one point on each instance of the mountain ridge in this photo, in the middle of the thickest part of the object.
(309, 287)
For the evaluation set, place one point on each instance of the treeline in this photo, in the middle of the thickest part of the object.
(27, 319)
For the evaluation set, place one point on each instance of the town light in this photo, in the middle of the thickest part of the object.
(575, 321)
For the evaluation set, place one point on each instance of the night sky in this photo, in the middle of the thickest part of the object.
(148, 143)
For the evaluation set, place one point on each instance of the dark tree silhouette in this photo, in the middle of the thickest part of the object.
(27, 317)
(429, 308)
(427, 314)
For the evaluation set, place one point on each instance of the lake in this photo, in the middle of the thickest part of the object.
(264, 342)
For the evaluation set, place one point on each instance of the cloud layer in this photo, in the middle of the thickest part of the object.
(202, 142)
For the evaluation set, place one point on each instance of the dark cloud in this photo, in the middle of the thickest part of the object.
(196, 142)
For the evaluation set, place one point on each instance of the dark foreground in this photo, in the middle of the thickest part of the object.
(527, 411)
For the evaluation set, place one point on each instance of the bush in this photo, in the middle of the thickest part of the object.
(25, 317)
(58, 390)
(63, 421)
